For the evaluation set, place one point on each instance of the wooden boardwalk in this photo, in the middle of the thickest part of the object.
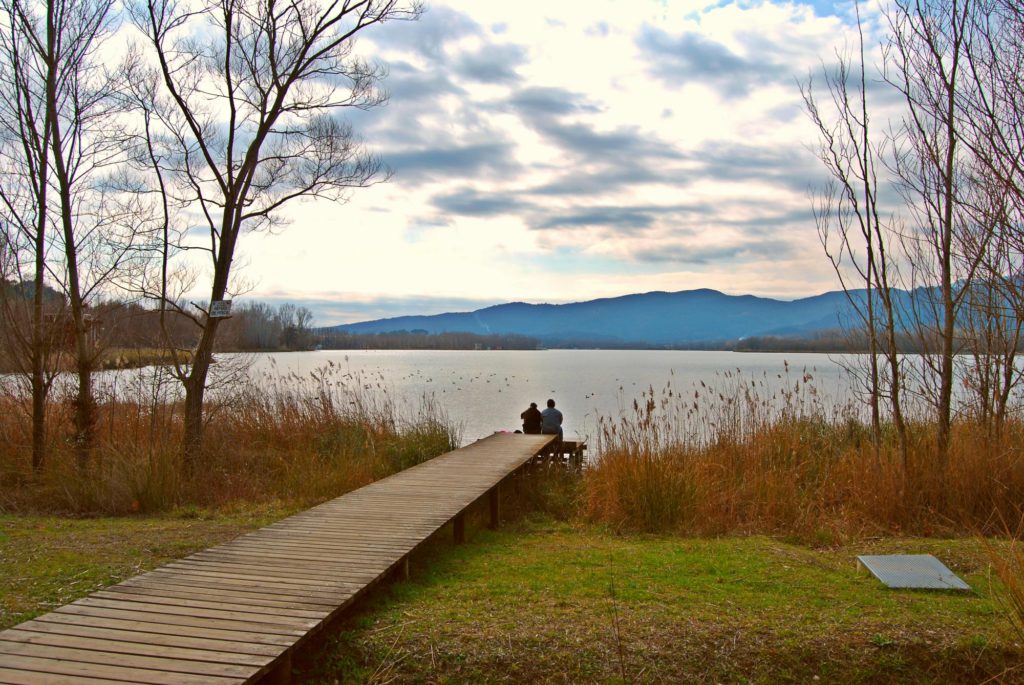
(234, 613)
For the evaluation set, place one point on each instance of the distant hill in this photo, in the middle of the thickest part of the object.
(657, 318)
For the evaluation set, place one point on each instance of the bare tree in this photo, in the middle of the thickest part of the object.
(994, 320)
(24, 213)
(241, 104)
(955, 155)
(992, 113)
(851, 229)
(926, 61)
(60, 143)
(95, 233)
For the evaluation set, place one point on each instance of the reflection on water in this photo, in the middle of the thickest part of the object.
(486, 391)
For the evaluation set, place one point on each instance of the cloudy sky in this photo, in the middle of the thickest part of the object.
(565, 150)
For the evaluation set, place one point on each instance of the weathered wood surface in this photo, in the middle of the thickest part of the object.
(234, 613)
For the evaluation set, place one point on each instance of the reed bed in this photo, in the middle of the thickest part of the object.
(736, 456)
(275, 438)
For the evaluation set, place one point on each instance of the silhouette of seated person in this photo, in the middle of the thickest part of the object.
(532, 419)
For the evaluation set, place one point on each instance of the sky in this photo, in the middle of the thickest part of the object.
(562, 151)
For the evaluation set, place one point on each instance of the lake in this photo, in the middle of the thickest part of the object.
(485, 391)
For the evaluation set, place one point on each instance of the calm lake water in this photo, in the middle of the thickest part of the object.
(485, 391)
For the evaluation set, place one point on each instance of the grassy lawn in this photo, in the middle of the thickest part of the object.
(542, 601)
(46, 562)
(550, 602)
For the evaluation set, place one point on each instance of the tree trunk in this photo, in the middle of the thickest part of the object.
(872, 330)
(85, 406)
(942, 437)
(85, 415)
(949, 200)
(195, 389)
(39, 392)
(41, 343)
(192, 443)
(40, 387)
(195, 384)
(949, 315)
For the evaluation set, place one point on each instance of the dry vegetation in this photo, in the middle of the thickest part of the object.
(289, 439)
(732, 457)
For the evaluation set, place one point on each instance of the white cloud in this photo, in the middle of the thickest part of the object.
(546, 151)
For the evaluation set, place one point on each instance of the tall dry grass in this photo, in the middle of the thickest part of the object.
(737, 456)
(1008, 563)
(286, 438)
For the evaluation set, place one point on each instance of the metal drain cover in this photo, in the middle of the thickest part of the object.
(918, 571)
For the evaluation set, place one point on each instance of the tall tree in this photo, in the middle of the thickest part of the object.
(84, 145)
(992, 112)
(926, 63)
(64, 129)
(955, 155)
(851, 228)
(55, 140)
(242, 120)
(25, 136)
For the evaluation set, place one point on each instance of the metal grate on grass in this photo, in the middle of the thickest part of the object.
(915, 571)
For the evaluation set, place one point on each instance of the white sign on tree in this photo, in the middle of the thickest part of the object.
(220, 309)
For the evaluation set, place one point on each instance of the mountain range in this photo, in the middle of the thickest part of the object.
(656, 318)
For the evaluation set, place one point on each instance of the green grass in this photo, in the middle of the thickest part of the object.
(551, 602)
(46, 562)
(546, 601)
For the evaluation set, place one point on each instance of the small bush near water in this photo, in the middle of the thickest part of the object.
(737, 459)
(277, 438)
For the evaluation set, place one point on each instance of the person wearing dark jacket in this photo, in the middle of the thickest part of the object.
(531, 419)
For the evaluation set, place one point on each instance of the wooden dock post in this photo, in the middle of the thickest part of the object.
(459, 528)
(281, 673)
(495, 500)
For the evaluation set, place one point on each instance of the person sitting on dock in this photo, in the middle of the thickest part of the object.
(531, 419)
(551, 421)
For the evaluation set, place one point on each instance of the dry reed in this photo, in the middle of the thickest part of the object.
(743, 458)
(287, 438)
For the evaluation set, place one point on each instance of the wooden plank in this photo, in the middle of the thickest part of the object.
(382, 534)
(225, 614)
(322, 565)
(265, 575)
(209, 669)
(323, 544)
(76, 669)
(317, 552)
(257, 640)
(233, 648)
(187, 579)
(11, 676)
(255, 600)
(185, 620)
(275, 579)
(203, 574)
(191, 603)
(317, 566)
(134, 647)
